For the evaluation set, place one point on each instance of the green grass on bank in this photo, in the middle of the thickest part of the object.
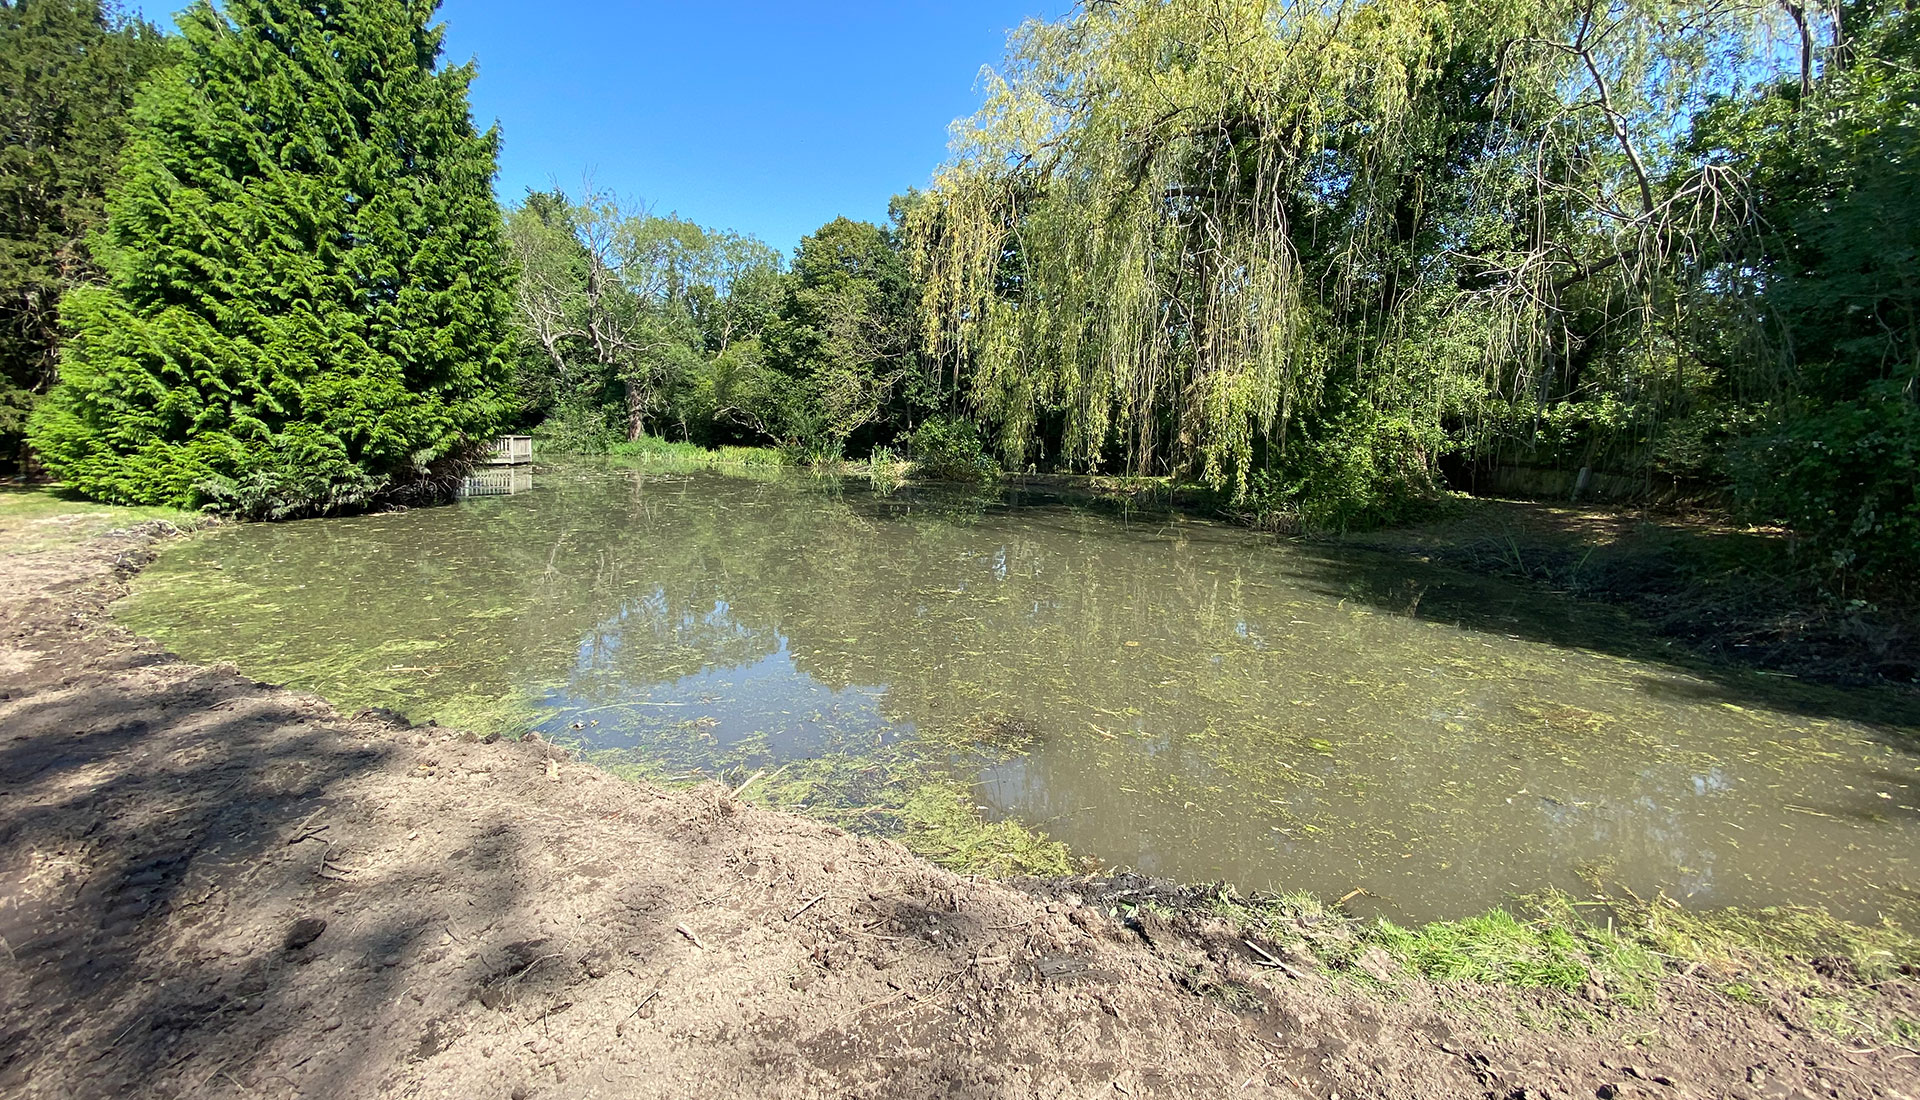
(36, 518)
(692, 456)
(1607, 952)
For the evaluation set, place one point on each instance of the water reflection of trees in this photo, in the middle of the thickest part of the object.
(1188, 699)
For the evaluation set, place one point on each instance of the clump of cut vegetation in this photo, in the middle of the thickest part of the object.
(941, 823)
(932, 817)
(1777, 942)
(895, 794)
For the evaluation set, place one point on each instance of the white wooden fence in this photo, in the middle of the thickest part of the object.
(511, 450)
(496, 483)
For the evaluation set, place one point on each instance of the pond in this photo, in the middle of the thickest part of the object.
(1187, 699)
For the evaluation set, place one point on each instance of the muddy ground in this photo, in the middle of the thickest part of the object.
(214, 887)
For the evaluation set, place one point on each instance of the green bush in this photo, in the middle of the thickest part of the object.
(1845, 477)
(950, 450)
(308, 473)
(582, 428)
(306, 299)
(1363, 469)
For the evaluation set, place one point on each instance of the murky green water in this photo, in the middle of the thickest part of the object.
(1189, 700)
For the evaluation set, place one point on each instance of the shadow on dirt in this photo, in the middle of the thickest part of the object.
(180, 894)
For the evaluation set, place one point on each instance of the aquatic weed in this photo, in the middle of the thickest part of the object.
(943, 825)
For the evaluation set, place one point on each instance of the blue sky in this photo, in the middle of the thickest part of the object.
(767, 118)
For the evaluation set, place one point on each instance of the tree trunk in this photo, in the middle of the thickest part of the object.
(636, 411)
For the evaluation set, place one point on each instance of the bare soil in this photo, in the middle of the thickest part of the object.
(214, 887)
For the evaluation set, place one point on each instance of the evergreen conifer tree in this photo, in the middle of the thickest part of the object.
(306, 303)
(68, 72)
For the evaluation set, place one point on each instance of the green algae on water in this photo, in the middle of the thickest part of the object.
(1192, 701)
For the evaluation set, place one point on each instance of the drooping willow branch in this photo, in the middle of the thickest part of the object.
(1177, 227)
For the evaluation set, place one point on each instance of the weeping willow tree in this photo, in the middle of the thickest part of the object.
(1303, 248)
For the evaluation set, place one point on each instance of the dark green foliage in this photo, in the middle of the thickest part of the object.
(1362, 468)
(68, 72)
(950, 449)
(1836, 176)
(1845, 476)
(847, 334)
(306, 303)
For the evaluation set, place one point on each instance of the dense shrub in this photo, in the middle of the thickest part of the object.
(1364, 469)
(1845, 477)
(950, 449)
(576, 427)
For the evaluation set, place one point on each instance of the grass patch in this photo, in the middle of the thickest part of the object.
(665, 454)
(1617, 951)
(43, 518)
(1555, 949)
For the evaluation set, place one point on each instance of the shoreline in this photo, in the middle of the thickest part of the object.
(173, 831)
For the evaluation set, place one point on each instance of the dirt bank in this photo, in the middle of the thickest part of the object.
(214, 887)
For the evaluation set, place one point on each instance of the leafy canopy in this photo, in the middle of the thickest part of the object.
(1323, 243)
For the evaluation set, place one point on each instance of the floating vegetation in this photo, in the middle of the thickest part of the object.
(1185, 699)
(943, 824)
